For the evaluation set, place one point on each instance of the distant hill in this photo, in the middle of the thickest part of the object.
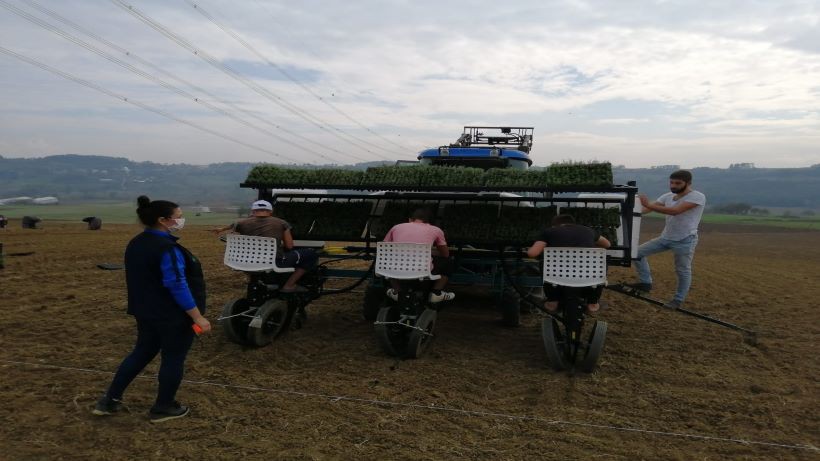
(83, 178)
(760, 187)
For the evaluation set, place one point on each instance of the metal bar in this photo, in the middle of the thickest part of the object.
(621, 288)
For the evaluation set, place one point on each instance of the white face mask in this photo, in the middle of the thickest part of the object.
(179, 223)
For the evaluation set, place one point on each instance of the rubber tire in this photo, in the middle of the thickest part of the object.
(510, 308)
(595, 346)
(550, 335)
(235, 328)
(374, 298)
(274, 314)
(419, 342)
(391, 343)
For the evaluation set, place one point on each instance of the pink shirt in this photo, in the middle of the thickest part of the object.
(416, 232)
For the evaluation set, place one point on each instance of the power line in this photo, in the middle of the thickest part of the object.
(155, 79)
(287, 74)
(273, 97)
(306, 48)
(137, 71)
(233, 106)
(439, 408)
(155, 110)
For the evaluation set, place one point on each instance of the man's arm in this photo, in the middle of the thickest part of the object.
(536, 249)
(287, 240)
(443, 251)
(661, 208)
(219, 230)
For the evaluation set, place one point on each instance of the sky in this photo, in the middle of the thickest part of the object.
(635, 83)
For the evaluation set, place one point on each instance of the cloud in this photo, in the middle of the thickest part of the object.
(593, 77)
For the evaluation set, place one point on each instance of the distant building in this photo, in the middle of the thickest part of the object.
(200, 209)
(742, 166)
(665, 167)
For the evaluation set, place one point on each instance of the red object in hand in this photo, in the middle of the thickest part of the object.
(197, 329)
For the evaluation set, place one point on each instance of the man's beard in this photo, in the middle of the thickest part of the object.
(677, 190)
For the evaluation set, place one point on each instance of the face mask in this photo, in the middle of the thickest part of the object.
(179, 223)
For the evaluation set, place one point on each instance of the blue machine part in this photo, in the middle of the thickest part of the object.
(474, 152)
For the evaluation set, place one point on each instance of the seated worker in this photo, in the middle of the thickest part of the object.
(262, 223)
(565, 233)
(419, 230)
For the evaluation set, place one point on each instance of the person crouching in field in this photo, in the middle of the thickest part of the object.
(166, 296)
(262, 223)
(419, 230)
(683, 207)
(565, 233)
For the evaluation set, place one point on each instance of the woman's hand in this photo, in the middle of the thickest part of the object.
(203, 323)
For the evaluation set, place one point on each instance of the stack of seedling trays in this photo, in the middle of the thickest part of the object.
(557, 177)
(604, 220)
(326, 220)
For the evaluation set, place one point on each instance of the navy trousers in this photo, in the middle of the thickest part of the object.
(172, 341)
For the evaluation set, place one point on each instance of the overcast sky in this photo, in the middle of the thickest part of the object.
(638, 83)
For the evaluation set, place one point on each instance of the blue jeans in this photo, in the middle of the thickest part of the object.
(172, 341)
(684, 251)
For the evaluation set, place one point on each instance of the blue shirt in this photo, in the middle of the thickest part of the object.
(172, 267)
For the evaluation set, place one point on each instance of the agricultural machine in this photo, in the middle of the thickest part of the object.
(490, 202)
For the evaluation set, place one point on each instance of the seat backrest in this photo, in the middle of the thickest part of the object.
(250, 253)
(575, 267)
(403, 260)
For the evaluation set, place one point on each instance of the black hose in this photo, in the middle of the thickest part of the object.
(525, 297)
(336, 291)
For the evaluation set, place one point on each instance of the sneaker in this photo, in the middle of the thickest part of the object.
(107, 406)
(392, 294)
(444, 296)
(640, 286)
(674, 304)
(162, 413)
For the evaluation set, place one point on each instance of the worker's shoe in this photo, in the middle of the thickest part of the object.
(107, 406)
(674, 304)
(640, 286)
(162, 413)
(444, 296)
(392, 294)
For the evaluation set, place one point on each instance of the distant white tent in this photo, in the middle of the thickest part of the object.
(16, 200)
(45, 201)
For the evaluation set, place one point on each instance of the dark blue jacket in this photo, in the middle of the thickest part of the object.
(148, 297)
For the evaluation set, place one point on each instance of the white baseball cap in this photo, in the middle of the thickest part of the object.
(262, 205)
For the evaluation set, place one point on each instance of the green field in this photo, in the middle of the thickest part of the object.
(120, 213)
(774, 221)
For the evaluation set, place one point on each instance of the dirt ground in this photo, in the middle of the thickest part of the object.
(63, 331)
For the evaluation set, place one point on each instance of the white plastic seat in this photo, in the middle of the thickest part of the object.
(404, 261)
(575, 267)
(250, 253)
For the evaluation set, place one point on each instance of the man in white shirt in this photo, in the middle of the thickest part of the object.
(683, 207)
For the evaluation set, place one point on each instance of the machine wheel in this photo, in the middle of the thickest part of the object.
(270, 319)
(393, 338)
(236, 328)
(419, 342)
(373, 301)
(596, 345)
(552, 337)
(510, 308)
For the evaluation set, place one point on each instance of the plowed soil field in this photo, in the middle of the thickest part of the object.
(668, 386)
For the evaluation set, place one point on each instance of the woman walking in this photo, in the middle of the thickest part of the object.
(166, 296)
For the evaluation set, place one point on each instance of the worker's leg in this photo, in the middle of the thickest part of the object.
(684, 252)
(656, 245)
